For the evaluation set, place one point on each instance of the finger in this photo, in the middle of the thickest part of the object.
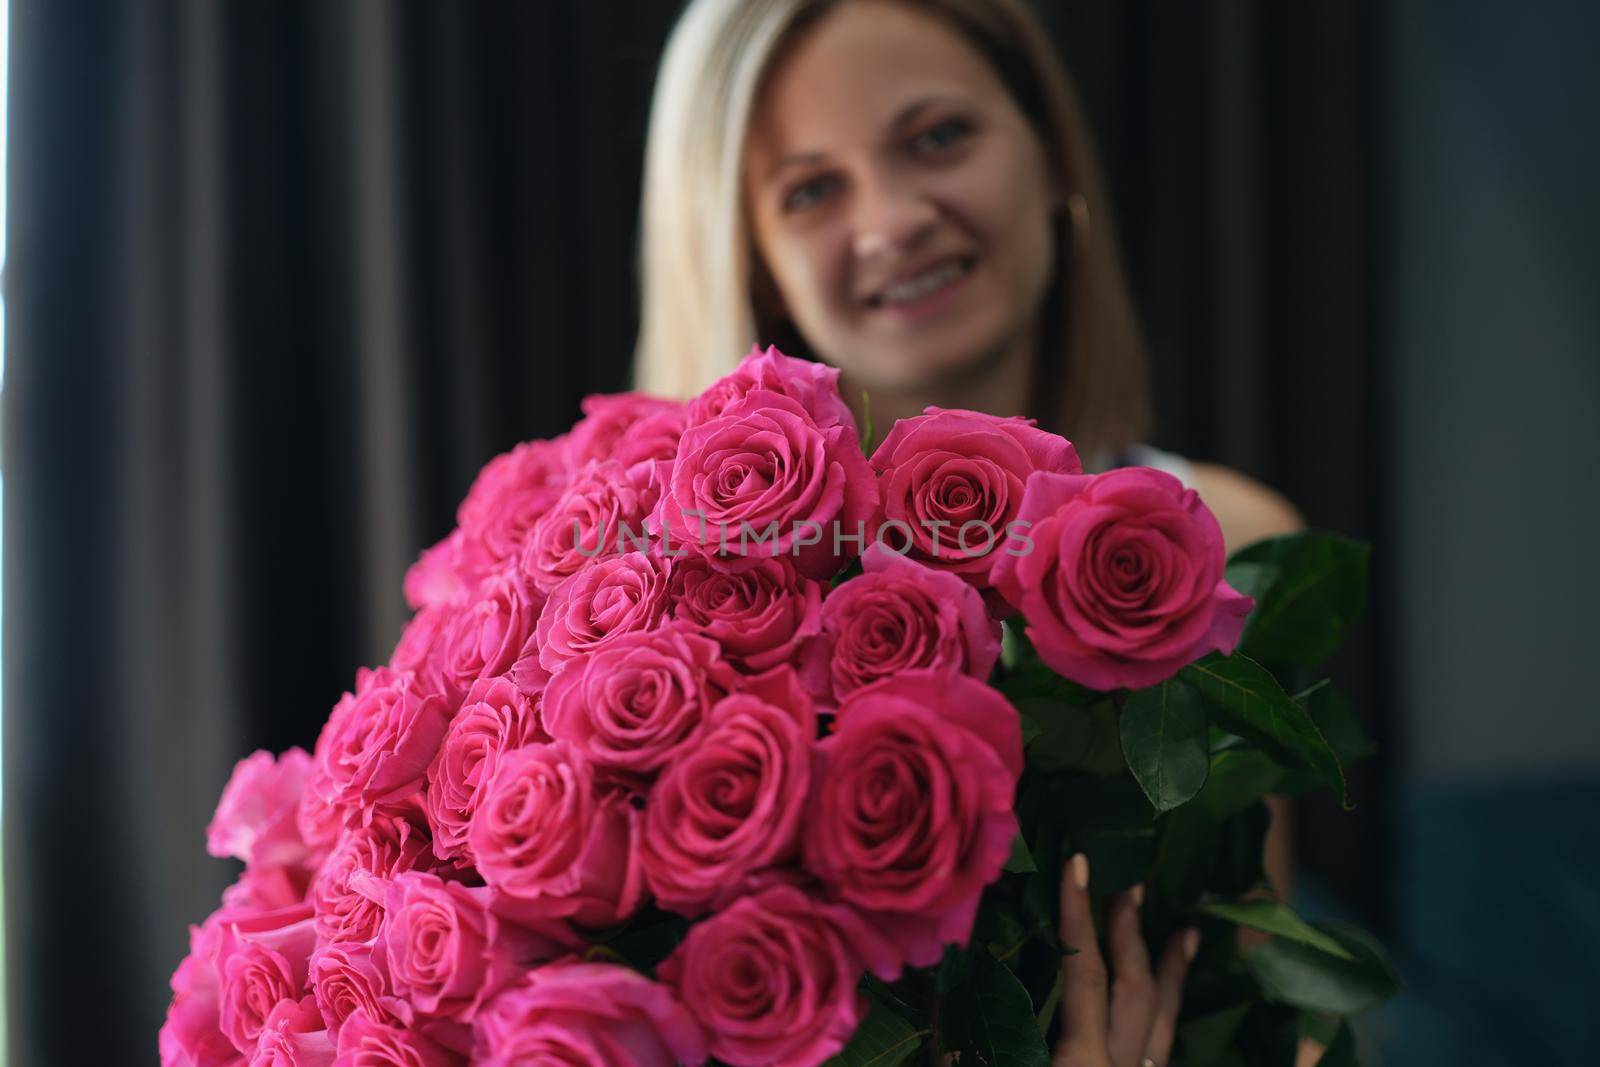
(1083, 974)
(1170, 972)
(1309, 1053)
(1133, 989)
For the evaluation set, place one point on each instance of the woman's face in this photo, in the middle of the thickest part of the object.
(899, 199)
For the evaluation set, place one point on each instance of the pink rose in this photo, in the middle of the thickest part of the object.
(594, 1014)
(267, 889)
(345, 979)
(895, 617)
(772, 979)
(633, 703)
(759, 610)
(951, 483)
(814, 386)
(553, 844)
(192, 1035)
(415, 650)
(445, 953)
(446, 572)
(487, 639)
(375, 748)
(731, 805)
(366, 1043)
(511, 493)
(294, 1037)
(762, 479)
(495, 718)
(601, 513)
(615, 596)
(911, 813)
(610, 422)
(321, 824)
(531, 468)
(1124, 584)
(260, 961)
(653, 438)
(257, 819)
(348, 892)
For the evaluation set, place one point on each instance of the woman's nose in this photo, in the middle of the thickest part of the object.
(891, 219)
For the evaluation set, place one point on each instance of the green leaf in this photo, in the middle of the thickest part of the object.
(1237, 868)
(998, 924)
(1223, 741)
(1245, 698)
(887, 1037)
(1252, 579)
(1304, 977)
(866, 417)
(850, 570)
(1110, 821)
(996, 1025)
(1073, 737)
(1166, 743)
(1332, 713)
(1186, 850)
(603, 954)
(1021, 861)
(1031, 730)
(1014, 647)
(1276, 918)
(1039, 895)
(1213, 845)
(1031, 678)
(1239, 778)
(1047, 1010)
(954, 970)
(1310, 691)
(1319, 1027)
(648, 939)
(1204, 1039)
(1320, 589)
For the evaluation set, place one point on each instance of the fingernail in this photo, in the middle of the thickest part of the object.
(1080, 871)
(1191, 944)
(1137, 893)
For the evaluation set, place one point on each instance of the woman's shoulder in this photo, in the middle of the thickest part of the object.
(1246, 509)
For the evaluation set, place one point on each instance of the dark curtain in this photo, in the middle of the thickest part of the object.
(283, 275)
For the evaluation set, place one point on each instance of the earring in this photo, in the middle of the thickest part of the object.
(1078, 213)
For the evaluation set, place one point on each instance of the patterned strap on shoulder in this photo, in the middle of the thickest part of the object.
(1142, 455)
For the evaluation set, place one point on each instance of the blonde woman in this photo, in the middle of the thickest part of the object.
(907, 190)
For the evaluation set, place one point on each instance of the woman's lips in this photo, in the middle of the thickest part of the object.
(927, 294)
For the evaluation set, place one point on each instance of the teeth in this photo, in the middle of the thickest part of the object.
(923, 284)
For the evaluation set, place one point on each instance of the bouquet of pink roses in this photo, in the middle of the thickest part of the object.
(714, 739)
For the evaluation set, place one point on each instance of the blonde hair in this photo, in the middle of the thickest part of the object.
(698, 267)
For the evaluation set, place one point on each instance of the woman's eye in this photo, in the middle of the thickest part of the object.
(939, 137)
(807, 194)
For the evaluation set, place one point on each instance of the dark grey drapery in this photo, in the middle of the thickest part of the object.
(282, 275)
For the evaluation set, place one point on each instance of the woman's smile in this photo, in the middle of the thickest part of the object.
(924, 294)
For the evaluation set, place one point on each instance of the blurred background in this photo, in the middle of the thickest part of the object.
(281, 275)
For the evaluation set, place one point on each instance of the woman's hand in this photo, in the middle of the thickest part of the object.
(1127, 1017)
